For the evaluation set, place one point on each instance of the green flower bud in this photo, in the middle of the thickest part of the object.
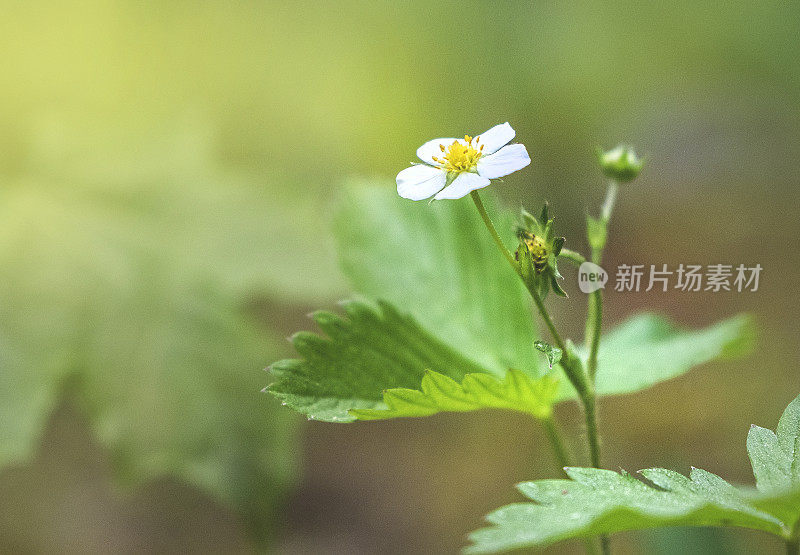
(620, 164)
(538, 251)
(534, 250)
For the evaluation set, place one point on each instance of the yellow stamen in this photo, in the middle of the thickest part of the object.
(460, 157)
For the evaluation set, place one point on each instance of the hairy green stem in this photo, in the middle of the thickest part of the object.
(592, 430)
(575, 375)
(573, 256)
(611, 199)
(560, 451)
(578, 380)
(490, 226)
(537, 300)
(594, 325)
(590, 412)
(573, 370)
(571, 366)
(564, 459)
(594, 317)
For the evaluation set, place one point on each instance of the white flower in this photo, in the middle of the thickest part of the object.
(455, 167)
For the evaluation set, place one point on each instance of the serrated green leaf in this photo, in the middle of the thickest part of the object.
(648, 349)
(439, 263)
(595, 501)
(372, 349)
(788, 433)
(438, 393)
(788, 430)
(774, 455)
(771, 464)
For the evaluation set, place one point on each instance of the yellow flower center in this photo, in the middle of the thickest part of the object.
(460, 157)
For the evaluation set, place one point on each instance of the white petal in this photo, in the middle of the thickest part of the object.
(420, 182)
(462, 186)
(503, 162)
(496, 137)
(430, 149)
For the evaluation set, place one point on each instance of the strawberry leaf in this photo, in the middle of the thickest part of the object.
(595, 501)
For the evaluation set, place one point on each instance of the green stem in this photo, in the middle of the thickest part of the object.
(590, 413)
(575, 375)
(594, 317)
(611, 199)
(578, 380)
(490, 226)
(573, 256)
(573, 370)
(514, 264)
(563, 460)
(594, 325)
(537, 300)
(560, 451)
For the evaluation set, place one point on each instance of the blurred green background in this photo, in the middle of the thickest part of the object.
(167, 174)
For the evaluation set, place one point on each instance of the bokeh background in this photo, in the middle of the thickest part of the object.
(167, 175)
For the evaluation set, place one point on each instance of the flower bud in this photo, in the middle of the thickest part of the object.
(534, 251)
(537, 253)
(620, 164)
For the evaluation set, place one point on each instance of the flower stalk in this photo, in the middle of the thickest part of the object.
(560, 451)
(611, 199)
(594, 319)
(573, 256)
(570, 364)
(476, 198)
